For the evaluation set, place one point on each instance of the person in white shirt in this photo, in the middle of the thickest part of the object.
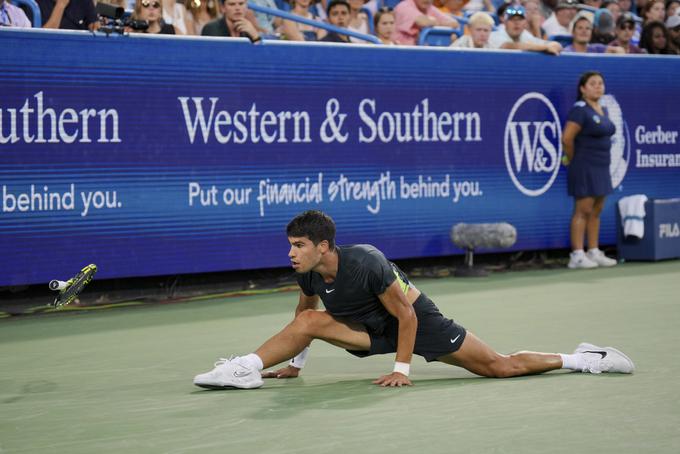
(559, 20)
(515, 35)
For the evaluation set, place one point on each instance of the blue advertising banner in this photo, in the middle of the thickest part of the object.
(151, 155)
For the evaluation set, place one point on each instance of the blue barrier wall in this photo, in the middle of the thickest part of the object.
(153, 156)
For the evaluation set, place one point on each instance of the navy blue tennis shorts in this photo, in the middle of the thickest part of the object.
(436, 336)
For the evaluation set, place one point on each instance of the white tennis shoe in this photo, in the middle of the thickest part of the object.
(580, 260)
(597, 256)
(604, 359)
(230, 373)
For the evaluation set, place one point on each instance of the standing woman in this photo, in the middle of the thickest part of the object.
(587, 143)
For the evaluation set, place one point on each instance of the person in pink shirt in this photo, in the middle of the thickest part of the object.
(413, 15)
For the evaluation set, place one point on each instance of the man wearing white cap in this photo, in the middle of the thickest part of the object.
(516, 36)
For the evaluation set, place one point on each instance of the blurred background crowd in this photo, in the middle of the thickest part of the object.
(550, 26)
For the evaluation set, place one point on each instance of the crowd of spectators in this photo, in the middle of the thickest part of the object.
(549, 26)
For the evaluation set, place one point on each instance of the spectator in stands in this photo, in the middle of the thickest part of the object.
(453, 7)
(152, 12)
(69, 14)
(673, 26)
(626, 5)
(358, 21)
(383, 21)
(296, 31)
(199, 13)
(234, 23)
(672, 8)
(413, 15)
(480, 25)
(480, 5)
(12, 16)
(655, 39)
(267, 23)
(338, 13)
(535, 19)
(625, 28)
(175, 14)
(604, 27)
(614, 8)
(515, 36)
(582, 31)
(559, 20)
(587, 142)
(654, 10)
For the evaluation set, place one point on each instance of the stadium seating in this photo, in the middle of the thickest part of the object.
(565, 40)
(369, 15)
(437, 36)
(32, 11)
(390, 3)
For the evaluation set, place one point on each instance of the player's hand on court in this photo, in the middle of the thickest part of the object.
(393, 379)
(285, 372)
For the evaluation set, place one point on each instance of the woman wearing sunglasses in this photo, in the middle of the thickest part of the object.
(152, 12)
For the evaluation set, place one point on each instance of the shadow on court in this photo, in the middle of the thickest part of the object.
(294, 396)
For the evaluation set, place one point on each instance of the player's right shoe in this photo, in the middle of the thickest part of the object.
(597, 256)
(230, 373)
(579, 260)
(604, 359)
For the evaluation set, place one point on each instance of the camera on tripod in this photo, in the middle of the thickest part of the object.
(117, 22)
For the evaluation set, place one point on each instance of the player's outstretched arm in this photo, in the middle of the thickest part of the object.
(290, 371)
(397, 304)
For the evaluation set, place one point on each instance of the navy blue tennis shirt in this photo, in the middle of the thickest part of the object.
(363, 274)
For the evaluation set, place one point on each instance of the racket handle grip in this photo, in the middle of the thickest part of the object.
(57, 285)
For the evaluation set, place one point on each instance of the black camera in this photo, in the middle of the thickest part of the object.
(116, 21)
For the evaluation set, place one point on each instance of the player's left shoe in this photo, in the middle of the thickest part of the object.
(604, 359)
(230, 373)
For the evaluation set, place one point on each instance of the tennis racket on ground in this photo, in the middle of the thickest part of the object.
(69, 290)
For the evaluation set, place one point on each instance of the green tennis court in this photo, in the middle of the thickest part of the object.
(119, 381)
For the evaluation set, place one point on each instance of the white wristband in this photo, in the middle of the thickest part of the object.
(402, 368)
(300, 360)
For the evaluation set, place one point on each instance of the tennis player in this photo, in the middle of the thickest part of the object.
(372, 308)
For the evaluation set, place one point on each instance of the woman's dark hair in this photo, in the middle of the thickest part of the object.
(382, 11)
(585, 77)
(647, 41)
(315, 225)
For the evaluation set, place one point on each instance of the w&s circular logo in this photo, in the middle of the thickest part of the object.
(533, 144)
(620, 150)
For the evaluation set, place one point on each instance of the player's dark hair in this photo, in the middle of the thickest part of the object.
(585, 77)
(315, 225)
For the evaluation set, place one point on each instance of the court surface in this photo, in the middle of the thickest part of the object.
(119, 381)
